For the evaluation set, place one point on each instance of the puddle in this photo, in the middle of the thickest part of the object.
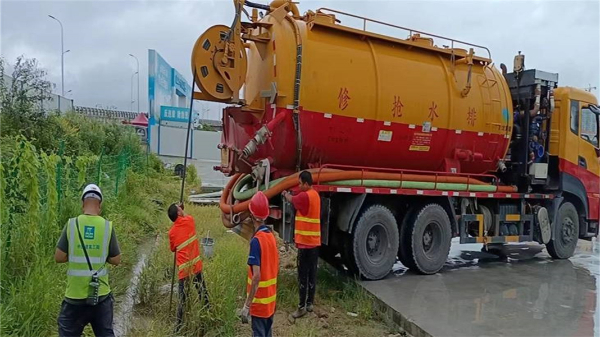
(479, 294)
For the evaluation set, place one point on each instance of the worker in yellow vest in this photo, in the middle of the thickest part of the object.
(307, 235)
(88, 242)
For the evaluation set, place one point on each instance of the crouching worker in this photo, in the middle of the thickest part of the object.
(183, 240)
(87, 243)
(263, 267)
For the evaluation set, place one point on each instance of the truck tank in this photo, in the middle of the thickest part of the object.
(318, 92)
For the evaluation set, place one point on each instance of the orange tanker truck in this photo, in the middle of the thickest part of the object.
(409, 143)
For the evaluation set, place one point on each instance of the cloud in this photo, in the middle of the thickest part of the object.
(555, 36)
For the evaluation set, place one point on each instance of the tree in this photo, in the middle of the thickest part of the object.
(21, 98)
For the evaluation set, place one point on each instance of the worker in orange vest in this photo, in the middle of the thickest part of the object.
(263, 267)
(307, 235)
(183, 240)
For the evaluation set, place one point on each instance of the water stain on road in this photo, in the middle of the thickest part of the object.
(525, 293)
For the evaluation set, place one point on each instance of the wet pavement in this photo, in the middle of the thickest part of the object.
(479, 294)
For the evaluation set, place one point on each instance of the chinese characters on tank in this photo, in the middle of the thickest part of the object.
(343, 98)
(432, 111)
(397, 107)
(471, 116)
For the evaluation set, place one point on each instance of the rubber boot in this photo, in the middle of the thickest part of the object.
(299, 313)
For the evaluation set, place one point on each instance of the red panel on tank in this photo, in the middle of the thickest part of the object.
(350, 141)
(332, 139)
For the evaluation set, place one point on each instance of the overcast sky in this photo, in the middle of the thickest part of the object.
(555, 36)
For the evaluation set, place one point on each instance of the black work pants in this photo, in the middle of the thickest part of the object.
(307, 275)
(200, 286)
(73, 318)
(261, 327)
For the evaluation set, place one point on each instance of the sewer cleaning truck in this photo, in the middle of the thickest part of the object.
(412, 138)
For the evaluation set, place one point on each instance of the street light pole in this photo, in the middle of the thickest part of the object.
(131, 103)
(62, 55)
(138, 84)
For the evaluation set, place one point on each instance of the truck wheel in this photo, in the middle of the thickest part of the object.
(405, 247)
(431, 238)
(375, 242)
(566, 232)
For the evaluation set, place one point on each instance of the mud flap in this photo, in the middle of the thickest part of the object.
(348, 210)
(543, 221)
(553, 213)
(325, 211)
(287, 222)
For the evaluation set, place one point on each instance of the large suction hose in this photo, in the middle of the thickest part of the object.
(230, 209)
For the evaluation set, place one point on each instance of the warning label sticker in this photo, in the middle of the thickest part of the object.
(385, 136)
(420, 142)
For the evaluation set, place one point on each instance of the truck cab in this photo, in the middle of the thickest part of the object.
(554, 145)
(575, 154)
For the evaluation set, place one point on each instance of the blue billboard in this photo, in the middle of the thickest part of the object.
(174, 114)
(182, 88)
(166, 86)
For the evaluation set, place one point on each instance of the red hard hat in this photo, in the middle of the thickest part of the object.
(259, 206)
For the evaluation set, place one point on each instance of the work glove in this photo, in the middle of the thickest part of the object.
(244, 314)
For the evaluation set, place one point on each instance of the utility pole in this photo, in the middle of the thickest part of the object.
(62, 55)
(131, 102)
(589, 88)
(138, 84)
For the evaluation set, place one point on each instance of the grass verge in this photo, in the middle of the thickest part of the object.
(31, 303)
(225, 274)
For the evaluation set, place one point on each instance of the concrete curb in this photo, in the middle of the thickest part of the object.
(396, 319)
(390, 316)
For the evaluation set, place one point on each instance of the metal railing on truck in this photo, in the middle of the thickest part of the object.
(410, 31)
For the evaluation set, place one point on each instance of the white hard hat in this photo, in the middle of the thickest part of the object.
(91, 191)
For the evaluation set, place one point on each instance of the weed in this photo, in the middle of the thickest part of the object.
(35, 208)
(225, 274)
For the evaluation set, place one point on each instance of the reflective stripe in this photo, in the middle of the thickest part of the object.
(264, 284)
(186, 242)
(308, 233)
(89, 273)
(265, 300)
(189, 263)
(82, 259)
(301, 218)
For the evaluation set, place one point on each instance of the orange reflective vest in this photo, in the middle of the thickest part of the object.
(307, 229)
(184, 243)
(263, 304)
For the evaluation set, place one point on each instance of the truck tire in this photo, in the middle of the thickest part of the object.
(405, 246)
(375, 242)
(431, 237)
(566, 232)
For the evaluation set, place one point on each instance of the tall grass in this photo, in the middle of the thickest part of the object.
(33, 284)
(225, 274)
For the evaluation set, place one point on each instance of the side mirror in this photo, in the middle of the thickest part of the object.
(594, 109)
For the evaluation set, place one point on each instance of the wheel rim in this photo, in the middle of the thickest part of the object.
(376, 243)
(568, 228)
(432, 239)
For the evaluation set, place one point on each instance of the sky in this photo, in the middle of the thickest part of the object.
(555, 36)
